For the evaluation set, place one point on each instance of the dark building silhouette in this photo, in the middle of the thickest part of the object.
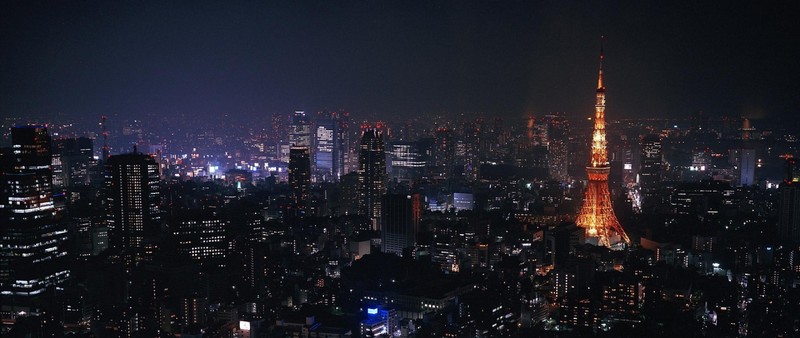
(444, 152)
(650, 171)
(133, 201)
(400, 222)
(32, 238)
(789, 209)
(372, 174)
(201, 236)
(299, 178)
(557, 140)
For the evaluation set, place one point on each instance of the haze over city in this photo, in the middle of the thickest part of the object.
(507, 59)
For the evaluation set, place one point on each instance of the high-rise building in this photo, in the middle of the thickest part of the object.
(200, 235)
(349, 198)
(76, 159)
(407, 160)
(622, 296)
(329, 147)
(400, 222)
(597, 215)
(299, 178)
(472, 146)
(557, 140)
(32, 237)
(133, 201)
(789, 209)
(300, 130)
(91, 234)
(372, 174)
(747, 166)
(650, 171)
(444, 152)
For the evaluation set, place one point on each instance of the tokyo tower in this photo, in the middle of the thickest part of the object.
(596, 215)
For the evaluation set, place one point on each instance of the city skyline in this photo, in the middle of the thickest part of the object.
(399, 170)
(504, 59)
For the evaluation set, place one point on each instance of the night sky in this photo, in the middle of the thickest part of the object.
(510, 58)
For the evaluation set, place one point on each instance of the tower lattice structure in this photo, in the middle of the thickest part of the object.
(597, 215)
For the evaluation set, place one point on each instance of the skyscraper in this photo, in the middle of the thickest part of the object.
(789, 208)
(75, 155)
(407, 160)
(133, 201)
(32, 238)
(596, 215)
(472, 145)
(300, 130)
(399, 222)
(328, 147)
(372, 173)
(747, 166)
(650, 171)
(200, 235)
(299, 178)
(444, 152)
(557, 140)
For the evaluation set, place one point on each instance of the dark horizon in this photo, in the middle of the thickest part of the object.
(507, 59)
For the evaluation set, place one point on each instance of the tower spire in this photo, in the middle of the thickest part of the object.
(600, 75)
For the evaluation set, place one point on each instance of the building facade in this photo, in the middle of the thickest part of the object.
(372, 174)
(133, 201)
(32, 239)
(400, 222)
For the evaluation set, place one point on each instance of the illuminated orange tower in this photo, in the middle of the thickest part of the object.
(596, 215)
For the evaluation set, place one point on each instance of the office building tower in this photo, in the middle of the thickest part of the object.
(328, 147)
(349, 198)
(200, 236)
(789, 208)
(75, 155)
(342, 146)
(279, 127)
(650, 171)
(133, 201)
(747, 166)
(371, 174)
(557, 140)
(597, 216)
(623, 295)
(91, 234)
(105, 151)
(32, 238)
(300, 130)
(408, 161)
(400, 222)
(299, 178)
(444, 152)
(472, 145)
